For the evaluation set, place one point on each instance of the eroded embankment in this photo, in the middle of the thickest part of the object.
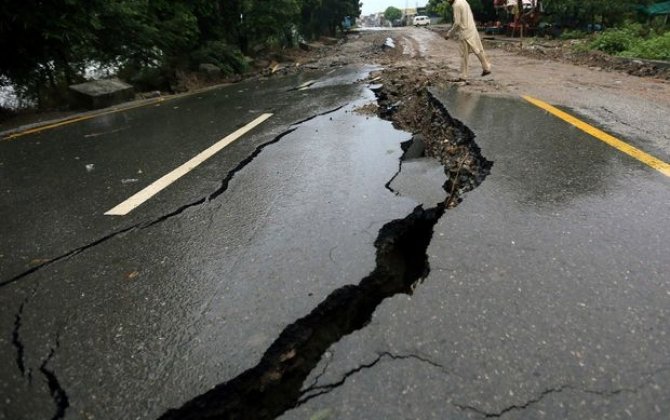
(275, 385)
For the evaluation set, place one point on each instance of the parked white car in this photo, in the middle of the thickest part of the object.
(421, 21)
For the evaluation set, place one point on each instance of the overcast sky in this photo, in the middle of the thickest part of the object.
(374, 6)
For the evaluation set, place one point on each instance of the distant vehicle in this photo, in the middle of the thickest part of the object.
(421, 21)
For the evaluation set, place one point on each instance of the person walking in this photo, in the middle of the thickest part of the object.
(465, 32)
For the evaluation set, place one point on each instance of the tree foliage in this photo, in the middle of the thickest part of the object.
(392, 13)
(576, 12)
(440, 8)
(49, 46)
(634, 41)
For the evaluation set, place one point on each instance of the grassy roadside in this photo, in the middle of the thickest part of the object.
(630, 41)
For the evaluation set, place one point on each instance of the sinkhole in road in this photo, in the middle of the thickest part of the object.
(275, 384)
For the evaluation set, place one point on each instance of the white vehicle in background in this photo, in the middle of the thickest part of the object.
(421, 21)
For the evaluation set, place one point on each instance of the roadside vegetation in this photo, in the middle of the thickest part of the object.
(151, 44)
(392, 14)
(171, 45)
(623, 28)
(630, 41)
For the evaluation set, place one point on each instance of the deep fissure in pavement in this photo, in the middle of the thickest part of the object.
(16, 340)
(274, 385)
(57, 392)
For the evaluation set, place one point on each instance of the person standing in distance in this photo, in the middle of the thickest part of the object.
(465, 32)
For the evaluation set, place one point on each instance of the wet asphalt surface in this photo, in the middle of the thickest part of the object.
(547, 296)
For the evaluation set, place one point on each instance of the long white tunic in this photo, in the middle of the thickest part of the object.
(464, 26)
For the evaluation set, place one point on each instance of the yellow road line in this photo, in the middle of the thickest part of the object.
(49, 126)
(620, 145)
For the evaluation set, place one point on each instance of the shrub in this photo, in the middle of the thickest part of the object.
(226, 57)
(573, 34)
(145, 79)
(614, 41)
(657, 48)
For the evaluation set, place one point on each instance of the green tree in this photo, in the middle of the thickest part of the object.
(270, 21)
(440, 8)
(46, 48)
(579, 12)
(392, 13)
(43, 46)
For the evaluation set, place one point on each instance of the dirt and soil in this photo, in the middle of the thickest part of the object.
(553, 71)
(423, 59)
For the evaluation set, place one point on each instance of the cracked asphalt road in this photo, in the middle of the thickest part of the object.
(547, 294)
(129, 323)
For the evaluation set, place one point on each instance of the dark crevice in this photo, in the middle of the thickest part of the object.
(16, 340)
(274, 385)
(231, 174)
(57, 392)
(318, 115)
(66, 255)
(323, 372)
(224, 186)
(390, 181)
(245, 162)
(224, 183)
(515, 407)
(317, 391)
(464, 165)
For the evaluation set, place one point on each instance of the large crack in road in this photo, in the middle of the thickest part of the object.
(275, 384)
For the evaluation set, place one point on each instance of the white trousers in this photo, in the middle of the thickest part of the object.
(472, 45)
